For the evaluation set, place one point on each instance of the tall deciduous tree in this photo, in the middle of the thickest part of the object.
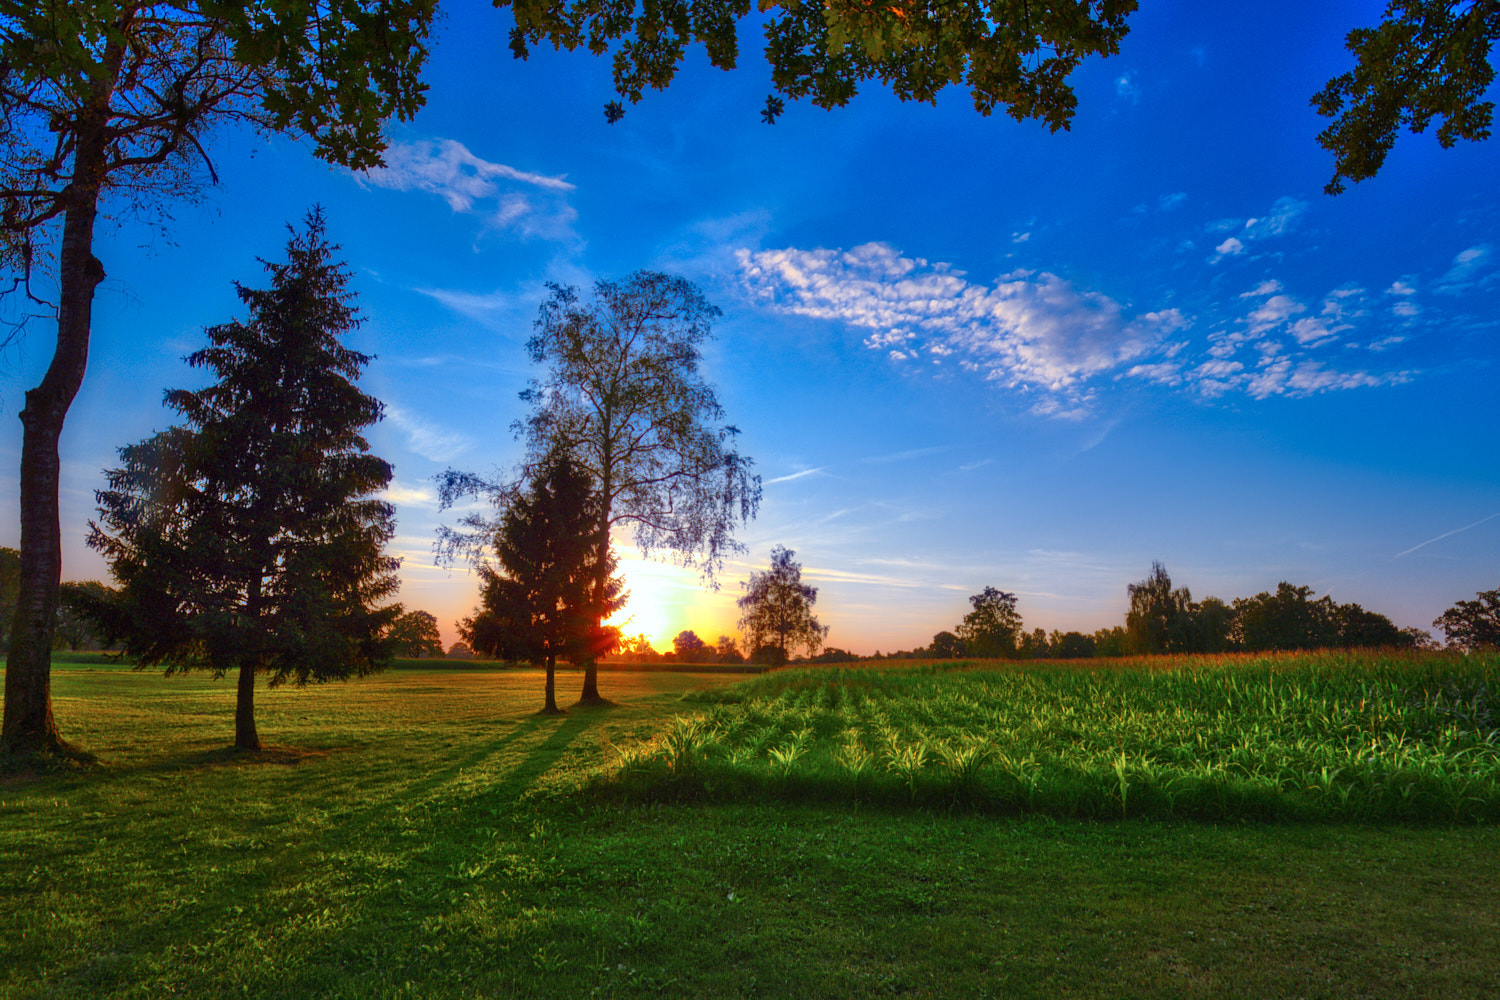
(992, 628)
(1473, 624)
(623, 396)
(250, 538)
(543, 603)
(109, 102)
(777, 608)
(415, 634)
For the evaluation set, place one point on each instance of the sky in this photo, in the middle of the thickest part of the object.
(962, 351)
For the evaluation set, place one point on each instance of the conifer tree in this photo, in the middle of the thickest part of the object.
(249, 538)
(544, 602)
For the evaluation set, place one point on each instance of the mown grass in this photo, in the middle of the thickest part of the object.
(427, 835)
(1344, 736)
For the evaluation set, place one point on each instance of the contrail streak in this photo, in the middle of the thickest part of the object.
(1445, 534)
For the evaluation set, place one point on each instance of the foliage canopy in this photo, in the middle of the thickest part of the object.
(777, 608)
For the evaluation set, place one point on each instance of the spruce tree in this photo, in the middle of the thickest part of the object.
(250, 538)
(544, 602)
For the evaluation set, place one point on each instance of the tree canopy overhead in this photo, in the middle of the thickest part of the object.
(1011, 54)
(1426, 59)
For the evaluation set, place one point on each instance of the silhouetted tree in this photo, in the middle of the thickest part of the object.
(416, 634)
(777, 608)
(250, 538)
(691, 649)
(1159, 619)
(1287, 619)
(623, 396)
(542, 603)
(1360, 628)
(991, 629)
(79, 623)
(1072, 646)
(1211, 625)
(1034, 645)
(947, 646)
(1473, 624)
(1110, 641)
(107, 104)
(726, 650)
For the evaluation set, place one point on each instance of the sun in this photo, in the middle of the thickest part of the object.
(665, 600)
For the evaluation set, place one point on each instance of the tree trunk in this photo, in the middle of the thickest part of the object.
(29, 726)
(245, 736)
(590, 695)
(550, 708)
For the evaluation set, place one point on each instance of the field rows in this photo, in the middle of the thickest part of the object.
(1329, 735)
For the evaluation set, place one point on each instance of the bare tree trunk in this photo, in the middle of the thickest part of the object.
(29, 726)
(245, 736)
(590, 695)
(550, 708)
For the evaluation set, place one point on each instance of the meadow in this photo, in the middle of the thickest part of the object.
(1149, 829)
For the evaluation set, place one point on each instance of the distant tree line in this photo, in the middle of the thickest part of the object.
(1166, 619)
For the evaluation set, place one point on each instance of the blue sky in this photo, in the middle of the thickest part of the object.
(962, 351)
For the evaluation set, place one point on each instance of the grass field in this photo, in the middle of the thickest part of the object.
(423, 834)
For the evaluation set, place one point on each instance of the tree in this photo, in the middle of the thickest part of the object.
(777, 608)
(689, 648)
(1360, 628)
(415, 634)
(637, 649)
(622, 395)
(1159, 620)
(946, 646)
(250, 538)
(1013, 56)
(1211, 625)
(1472, 624)
(726, 650)
(542, 604)
(1033, 645)
(1288, 619)
(991, 629)
(1072, 646)
(1427, 59)
(108, 103)
(79, 624)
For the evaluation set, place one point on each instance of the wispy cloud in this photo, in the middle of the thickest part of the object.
(506, 198)
(903, 456)
(1468, 266)
(797, 475)
(434, 443)
(1284, 216)
(1446, 534)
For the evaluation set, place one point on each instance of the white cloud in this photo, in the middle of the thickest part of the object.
(803, 474)
(535, 204)
(434, 443)
(1127, 89)
(1028, 329)
(1272, 313)
(1465, 270)
(1229, 248)
(1019, 237)
(1268, 287)
(1171, 202)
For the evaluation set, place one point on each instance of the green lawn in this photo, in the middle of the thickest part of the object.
(423, 834)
